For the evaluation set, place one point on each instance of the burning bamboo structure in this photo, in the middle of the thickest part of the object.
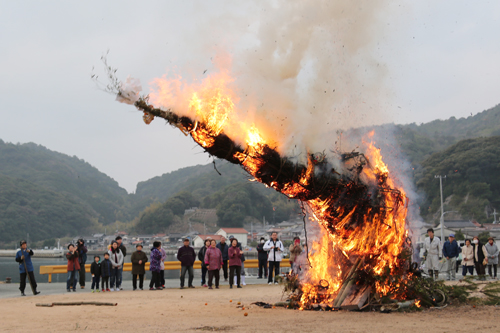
(356, 201)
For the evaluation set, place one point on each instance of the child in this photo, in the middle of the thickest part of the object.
(105, 271)
(95, 270)
(139, 260)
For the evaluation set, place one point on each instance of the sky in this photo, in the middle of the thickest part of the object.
(440, 60)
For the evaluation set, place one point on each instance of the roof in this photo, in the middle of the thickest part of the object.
(459, 224)
(274, 230)
(235, 230)
(216, 237)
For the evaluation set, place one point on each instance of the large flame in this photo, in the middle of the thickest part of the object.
(378, 240)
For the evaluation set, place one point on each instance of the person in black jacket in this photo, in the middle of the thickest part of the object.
(186, 256)
(223, 247)
(95, 270)
(106, 271)
(262, 258)
(82, 259)
(201, 257)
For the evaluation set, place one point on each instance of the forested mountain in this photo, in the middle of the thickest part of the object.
(29, 208)
(70, 176)
(418, 142)
(472, 184)
(49, 194)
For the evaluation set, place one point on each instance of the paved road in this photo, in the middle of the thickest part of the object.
(9, 290)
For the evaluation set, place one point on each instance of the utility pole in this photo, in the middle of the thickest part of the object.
(495, 216)
(442, 212)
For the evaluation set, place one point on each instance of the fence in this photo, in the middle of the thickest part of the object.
(127, 267)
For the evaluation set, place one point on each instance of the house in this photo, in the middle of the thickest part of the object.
(239, 233)
(199, 240)
(175, 237)
(290, 232)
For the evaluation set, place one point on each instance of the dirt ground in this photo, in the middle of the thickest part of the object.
(201, 309)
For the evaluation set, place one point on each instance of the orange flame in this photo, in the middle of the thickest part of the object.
(379, 239)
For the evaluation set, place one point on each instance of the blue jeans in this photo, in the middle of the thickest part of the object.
(72, 279)
(120, 274)
(115, 276)
(470, 269)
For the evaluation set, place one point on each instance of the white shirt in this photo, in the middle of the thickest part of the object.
(276, 253)
(434, 247)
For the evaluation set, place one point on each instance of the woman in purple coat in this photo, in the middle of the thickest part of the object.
(155, 266)
(213, 261)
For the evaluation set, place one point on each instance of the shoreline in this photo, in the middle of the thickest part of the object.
(200, 309)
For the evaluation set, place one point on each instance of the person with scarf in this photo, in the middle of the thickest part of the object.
(275, 248)
(213, 260)
(116, 258)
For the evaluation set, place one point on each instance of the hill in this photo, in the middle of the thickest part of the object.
(472, 184)
(69, 176)
(50, 194)
(28, 208)
(230, 193)
(418, 142)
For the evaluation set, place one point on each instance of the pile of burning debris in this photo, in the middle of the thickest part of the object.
(360, 261)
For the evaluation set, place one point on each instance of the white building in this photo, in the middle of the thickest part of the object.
(199, 240)
(239, 233)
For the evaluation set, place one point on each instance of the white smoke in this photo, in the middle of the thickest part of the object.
(301, 70)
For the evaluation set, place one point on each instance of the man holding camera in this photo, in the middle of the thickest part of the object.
(275, 248)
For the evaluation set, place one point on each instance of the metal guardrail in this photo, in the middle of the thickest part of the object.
(127, 267)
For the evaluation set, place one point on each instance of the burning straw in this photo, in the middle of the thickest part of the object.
(359, 259)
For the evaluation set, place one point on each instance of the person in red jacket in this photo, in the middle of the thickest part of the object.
(234, 262)
(73, 267)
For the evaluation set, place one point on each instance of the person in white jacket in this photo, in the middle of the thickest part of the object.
(275, 248)
(468, 258)
(432, 247)
(116, 258)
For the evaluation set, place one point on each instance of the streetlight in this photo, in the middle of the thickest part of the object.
(442, 221)
(441, 190)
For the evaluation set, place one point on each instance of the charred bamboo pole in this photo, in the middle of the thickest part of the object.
(75, 304)
(344, 290)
